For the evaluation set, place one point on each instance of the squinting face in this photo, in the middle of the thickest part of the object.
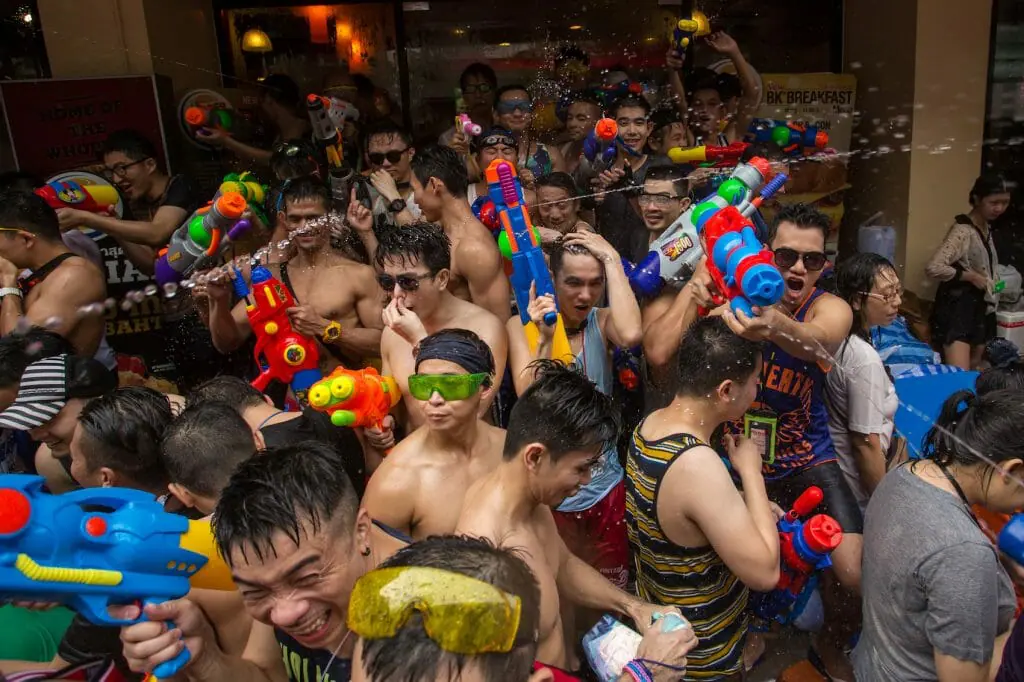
(579, 286)
(555, 210)
(881, 305)
(515, 110)
(580, 119)
(58, 432)
(488, 155)
(800, 281)
(708, 112)
(133, 179)
(994, 205)
(562, 479)
(303, 589)
(426, 198)
(441, 414)
(634, 127)
(304, 224)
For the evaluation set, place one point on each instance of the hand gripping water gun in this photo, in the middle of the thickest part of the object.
(683, 33)
(202, 238)
(356, 398)
(327, 135)
(599, 146)
(209, 116)
(793, 138)
(70, 194)
(678, 250)
(53, 548)
(281, 353)
(709, 155)
(806, 548)
(528, 265)
(464, 123)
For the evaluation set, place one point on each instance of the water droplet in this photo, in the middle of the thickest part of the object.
(126, 305)
(170, 290)
(151, 290)
(109, 304)
(52, 323)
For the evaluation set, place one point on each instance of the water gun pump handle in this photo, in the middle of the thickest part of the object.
(806, 503)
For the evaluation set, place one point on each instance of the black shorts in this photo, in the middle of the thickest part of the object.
(961, 314)
(839, 501)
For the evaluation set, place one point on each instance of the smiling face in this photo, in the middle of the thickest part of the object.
(806, 241)
(580, 119)
(555, 210)
(668, 137)
(557, 481)
(708, 111)
(302, 219)
(579, 286)
(427, 197)
(303, 588)
(58, 432)
(514, 110)
(133, 177)
(634, 127)
(661, 204)
(488, 155)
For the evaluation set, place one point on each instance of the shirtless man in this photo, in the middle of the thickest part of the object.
(556, 433)
(61, 282)
(338, 300)
(439, 182)
(418, 489)
(414, 270)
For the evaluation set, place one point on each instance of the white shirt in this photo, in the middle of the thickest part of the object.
(861, 398)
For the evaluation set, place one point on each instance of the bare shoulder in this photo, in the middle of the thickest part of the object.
(408, 453)
(474, 318)
(495, 435)
(830, 306)
(476, 243)
(79, 271)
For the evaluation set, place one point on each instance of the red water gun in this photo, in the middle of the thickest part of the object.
(70, 194)
(710, 155)
(281, 353)
(742, 268)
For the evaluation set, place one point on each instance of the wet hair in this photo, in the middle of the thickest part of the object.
(19, 181)
(711, 353)
(1000, 352)
(305, 188)
(204, 445)
(480, 70)
(559, 180)
(854, 277)
(131, 143)
(419, 242)
(997, 378)
(234, 391)
(448, 343)
(584, 97)
(704, 78)
(986, 185)
(558, 252)
(18, 351)
(385, 127)
(293, 489)
(802, 215)
(674, 173)
(280, 88)
(629, 102)
(293, 159)
(446, 165)
(29, 212)
(515, 87)
(563, 411)
(969, 423)
(412, 656)
(122, 431)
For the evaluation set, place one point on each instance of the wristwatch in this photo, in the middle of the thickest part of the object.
(397, 206)
(10, 291)
(332, 333)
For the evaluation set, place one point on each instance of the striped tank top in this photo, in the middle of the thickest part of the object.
(694, 579)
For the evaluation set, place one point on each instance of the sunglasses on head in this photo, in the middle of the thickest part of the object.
(405, 282)
(450, 386)
(393, 156)
(813, 260)
(510, 106)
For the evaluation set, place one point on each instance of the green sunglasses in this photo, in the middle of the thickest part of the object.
(450, 386)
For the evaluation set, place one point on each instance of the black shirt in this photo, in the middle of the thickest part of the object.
(311, 665)
(317, 426)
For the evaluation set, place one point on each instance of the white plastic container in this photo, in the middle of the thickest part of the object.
(1011, 326)
(877, 239)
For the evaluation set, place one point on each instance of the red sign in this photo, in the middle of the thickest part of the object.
(59, 125)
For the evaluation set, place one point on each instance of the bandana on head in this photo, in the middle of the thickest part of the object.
(494, 137)
(455, 349)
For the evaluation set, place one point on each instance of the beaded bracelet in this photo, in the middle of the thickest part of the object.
(639, 671)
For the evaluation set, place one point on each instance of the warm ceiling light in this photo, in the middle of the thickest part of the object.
(256, 40)
(344, 31)
(504, 44)
(27, 18)
(576, 27)
(459, 32)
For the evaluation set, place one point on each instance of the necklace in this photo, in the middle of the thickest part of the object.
(959, 491)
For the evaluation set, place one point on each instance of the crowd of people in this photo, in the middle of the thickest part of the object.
(511, 498)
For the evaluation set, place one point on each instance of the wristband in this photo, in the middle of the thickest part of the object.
(10, 291)
(638, 671)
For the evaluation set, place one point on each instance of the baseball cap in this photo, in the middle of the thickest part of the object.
(47, 385)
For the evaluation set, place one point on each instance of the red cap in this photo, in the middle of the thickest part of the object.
(195, 116)
(606, 129)
(763, 166)
(15, 510)
(822, 534)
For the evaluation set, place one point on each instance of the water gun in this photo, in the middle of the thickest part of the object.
(69, 194)
(742, 268)
(1011, 539)
(678, 250)
(683, 33)
(599, 146)
(328, 137)
(209, 116)
(793, 138)
(245, 184)
(806, 548)
(523, 243)
(710, 155)
(64, 549)
(486, 213)
(626, 363)
(281, 353)
(203, 238)
(464, 123)
(356, 398)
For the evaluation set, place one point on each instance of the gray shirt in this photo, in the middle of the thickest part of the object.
(931, 582)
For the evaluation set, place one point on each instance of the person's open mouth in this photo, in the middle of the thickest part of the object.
(313, 631)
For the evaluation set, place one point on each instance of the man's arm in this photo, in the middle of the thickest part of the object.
(155, 234)
(141, 256)
(815, 339)
(750, 97)
(485, 275)
(229, 326)
(364, 341)
(391, 494)
(66, 291)
(494, 335)
(261, 661)
(247, 152)
(666, 318)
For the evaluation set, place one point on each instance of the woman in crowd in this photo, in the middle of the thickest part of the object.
(861, 398)
(514, 110)
(965, 265)
(936, 597)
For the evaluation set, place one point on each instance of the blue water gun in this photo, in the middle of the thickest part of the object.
(1011, 539)
(685, 30)
(62, 548)
(792, 137)
(805, 550)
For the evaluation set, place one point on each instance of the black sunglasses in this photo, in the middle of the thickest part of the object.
(393, 156)
(813, 260)
(406, 282)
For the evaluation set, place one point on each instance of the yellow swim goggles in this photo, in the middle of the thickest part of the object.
(462, 615)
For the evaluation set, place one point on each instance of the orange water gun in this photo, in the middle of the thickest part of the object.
(355, 397)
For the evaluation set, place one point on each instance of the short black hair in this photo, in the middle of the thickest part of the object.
(204, 445)
(558, 251)
(629, 102)
(122, 431)
(854, 278)
(988, 184)
(304, 188)
(29, 212)
(1010, 376)
(412, 656)
(19, 180)
(704, 78)
(234, 391)
(512, 88)
(711, 353)
(802, 215)
(481, 71)
(561, 181)
(419, 242)
(281, 89)
(562, 410)
(131, 143)
(283, 489)
(674, 173)
(385, 127)
(18, 351)
(445, 164)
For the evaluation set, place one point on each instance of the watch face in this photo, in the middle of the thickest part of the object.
(397, 205)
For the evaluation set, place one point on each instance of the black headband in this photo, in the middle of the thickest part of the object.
(456, 349)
